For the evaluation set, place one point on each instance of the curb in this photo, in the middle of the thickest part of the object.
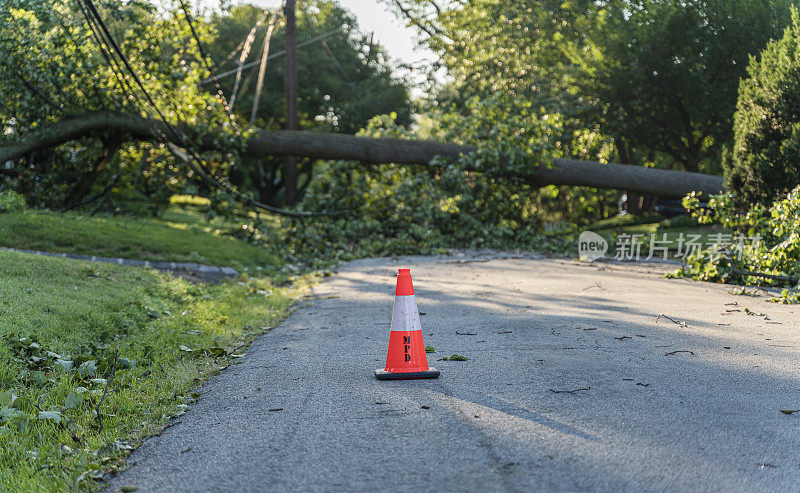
(201, 271)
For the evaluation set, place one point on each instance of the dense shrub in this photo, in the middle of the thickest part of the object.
(11, 201)
(765, 163)
(763, 249)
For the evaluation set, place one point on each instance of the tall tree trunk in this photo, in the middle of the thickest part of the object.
(81, 189)
(633, 199)
(290, 168)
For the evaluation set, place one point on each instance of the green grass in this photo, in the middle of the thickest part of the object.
(166, 336)
(179, 235)
(645, 226)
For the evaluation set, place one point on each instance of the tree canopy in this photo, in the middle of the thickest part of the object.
(58, 62)
(345, 78)
(765, 164)
(660, 77)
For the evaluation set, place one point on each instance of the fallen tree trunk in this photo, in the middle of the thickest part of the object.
(661, 182)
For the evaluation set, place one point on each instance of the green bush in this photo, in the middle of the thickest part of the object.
(765, 248)
(11, 201)
(765, 163)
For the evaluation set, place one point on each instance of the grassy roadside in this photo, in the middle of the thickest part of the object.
(676, 234)
(179, 235)
(71, 330)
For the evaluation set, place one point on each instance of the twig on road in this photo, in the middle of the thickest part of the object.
(569, 391)
(679, 351)
(682, 324)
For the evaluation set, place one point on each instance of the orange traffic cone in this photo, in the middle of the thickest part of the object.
(406, 356)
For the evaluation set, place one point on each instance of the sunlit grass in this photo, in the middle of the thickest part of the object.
(174, 333)
(180, 235)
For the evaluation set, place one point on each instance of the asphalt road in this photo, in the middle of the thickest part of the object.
(685, 405)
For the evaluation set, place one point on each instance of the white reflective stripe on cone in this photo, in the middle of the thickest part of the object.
(405, 315)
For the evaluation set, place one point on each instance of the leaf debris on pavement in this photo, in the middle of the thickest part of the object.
(751, 312)
(454, 357)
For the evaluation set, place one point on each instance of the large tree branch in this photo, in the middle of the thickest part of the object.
(662, 182)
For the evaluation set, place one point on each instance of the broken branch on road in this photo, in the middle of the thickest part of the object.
(569, 391)
(679, 351)
(682, 324)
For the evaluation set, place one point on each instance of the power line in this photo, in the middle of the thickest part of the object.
(190, 157)
(110, 40)
(207, 63)
(328, 51)
(249, 65)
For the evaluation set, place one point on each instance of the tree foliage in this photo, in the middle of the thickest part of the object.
(765, 163)
(658, 76)
(661, 76)
(768, 255)
(53, 67)
(344, 80)
(402, 210)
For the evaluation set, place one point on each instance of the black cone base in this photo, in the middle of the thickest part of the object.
(385, 375)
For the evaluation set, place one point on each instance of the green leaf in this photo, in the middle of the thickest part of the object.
(217, 351)
(455, 357)
(430, 349)
(88, 368)
(37, 377)
(73, 400)
(7, 398)
(8, 413)
(54, 416)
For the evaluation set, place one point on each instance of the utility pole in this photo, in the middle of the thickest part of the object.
(290, 168)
